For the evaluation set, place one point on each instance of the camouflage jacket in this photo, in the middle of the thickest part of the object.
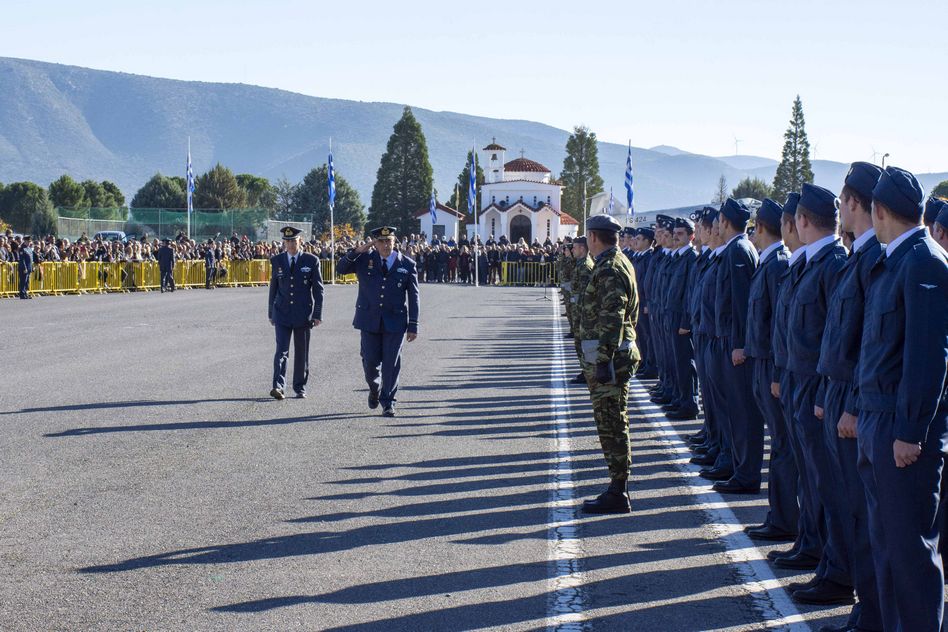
(609, 307)
(582, 272)
(566, 264)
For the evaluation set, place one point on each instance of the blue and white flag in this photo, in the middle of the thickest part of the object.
(332, 184)
(472, 183)
(629, 191)
(612, 202)
(190, 182)
(432, 208)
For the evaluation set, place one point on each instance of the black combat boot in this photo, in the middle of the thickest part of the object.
(579, 379)
(614, 500)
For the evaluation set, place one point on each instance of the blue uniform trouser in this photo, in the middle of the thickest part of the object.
(300, 337)
(844, 461)
(167, 278)
(711, 424)
(668, 335)
(24, 284)
(784, 511)
(645, 343)
(719, 395)
(744, 419)
(382, 363)
(659, 345)
(686, 375)
(810, 531)
(827, 490)
(903, 506)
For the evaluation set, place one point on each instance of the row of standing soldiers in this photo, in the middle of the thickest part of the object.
(839, 354)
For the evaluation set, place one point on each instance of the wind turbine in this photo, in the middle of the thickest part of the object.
(737, 145)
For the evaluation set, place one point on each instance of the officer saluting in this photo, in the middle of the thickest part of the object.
(295, 307)
(386, 308)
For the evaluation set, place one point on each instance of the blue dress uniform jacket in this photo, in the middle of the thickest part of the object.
(738, 263)
(296, 298)
(762, 303)
(677, 297)
(386, 303)
(901, 381)
(25, 270)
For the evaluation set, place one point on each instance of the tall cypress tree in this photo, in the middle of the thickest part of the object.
(581, 167)
(463, 184)
(795, 167)
(404, 180)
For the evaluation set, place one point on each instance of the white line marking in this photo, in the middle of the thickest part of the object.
(566, 605)
(768, 596)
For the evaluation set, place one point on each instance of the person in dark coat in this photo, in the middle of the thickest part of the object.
(210, 266)
(25, 269)
(165, 256)
(386, 310)
(295, 306)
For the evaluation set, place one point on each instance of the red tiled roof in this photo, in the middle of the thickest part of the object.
(567, 219)
(525, 164)
(495, 147)
(551, 182)
(441, 208)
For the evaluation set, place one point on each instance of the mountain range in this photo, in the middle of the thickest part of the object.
(95, 124)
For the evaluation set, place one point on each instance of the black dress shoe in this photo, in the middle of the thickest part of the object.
(579, 379)
(797, 562)
(277, 394)
(569, 335)
(661, 400)
(769, 534)
(697, 439)
(682, 415)
(373, 399)
(670, 407)
(733, 487)
(649, 375)
(716, 474)
(388, 411)
(703, 459)
(754, 527)
(793, 587)
(700, 450)
(773, 555)
(300, 394)
(825, 593)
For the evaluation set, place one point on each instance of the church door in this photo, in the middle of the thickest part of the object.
(520, 227)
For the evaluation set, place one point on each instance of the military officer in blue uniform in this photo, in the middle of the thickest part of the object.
(166, 256)
(386, 310)
(902, 429)
(25, 267)
(210, 266)
(940, 226)
(781, 521)
(295, 307)
(744, 422)
(684, 404)
(644, 241)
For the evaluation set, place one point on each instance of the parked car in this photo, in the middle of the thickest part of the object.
(111, 235)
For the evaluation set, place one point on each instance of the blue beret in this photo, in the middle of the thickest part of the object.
(603, 222)
(289, 232)
(383, 231)
(664, 221)
(943, 217)
(648, 233)
(628, 231)
(933, 207)
(862, 178)
(735, 211)
(684, 222)
(900, 191)
(818, 200)
(579, 240)
(769, 213)
(790, 206)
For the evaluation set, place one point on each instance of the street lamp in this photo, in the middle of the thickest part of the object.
(884, 156)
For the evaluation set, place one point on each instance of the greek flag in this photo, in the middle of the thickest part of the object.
(629, 191)
(190, 182)
(332, 184)
(472, 184)
(612, 202)
(432, 206)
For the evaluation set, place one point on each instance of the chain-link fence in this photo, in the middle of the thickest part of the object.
(160, 223)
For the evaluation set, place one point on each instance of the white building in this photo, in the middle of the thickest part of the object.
(447, 226)
(520, 199)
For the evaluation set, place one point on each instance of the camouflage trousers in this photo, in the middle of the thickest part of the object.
(610, 403)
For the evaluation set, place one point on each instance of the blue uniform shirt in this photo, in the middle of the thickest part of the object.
(386, 302)
(902, 360)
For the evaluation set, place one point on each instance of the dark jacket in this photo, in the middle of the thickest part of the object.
(762, 305)
(738, 263)
(296, 298)
(386, 303)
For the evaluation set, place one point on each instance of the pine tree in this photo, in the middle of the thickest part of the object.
(463, 184)
(311, 198)
(795, 167)
(404, 181)
(580, 171)
(218, 190)
(720, 195)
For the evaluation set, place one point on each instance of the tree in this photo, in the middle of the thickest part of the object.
(182, 183)
(941, 191)
(160, 192)
(218, 189)
(751, 188)
(258, 191)
(311, 198)
(795, 167)
(463, 183)
(45, 220)
(21, 201)
(580, 176)
(112, 189)
(66, 192)
(720, 195)
(284, 192)
(404, 180)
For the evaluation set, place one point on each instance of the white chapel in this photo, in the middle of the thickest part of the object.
(519, 199)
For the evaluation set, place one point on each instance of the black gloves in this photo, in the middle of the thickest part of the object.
(603, 373)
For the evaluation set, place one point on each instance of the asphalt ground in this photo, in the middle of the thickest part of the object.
(147, 481)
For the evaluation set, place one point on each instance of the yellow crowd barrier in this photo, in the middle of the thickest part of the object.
(71, 277)
(527, 273)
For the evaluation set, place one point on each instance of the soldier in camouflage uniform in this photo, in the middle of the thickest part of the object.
(582, 271)
(607, 313)
(565, 264)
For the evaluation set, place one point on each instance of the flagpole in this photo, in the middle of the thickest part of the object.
(332, 230)
(477, 228)
(188, 185)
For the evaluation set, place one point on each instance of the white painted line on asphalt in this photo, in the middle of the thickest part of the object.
(566, 606)
(755, 574)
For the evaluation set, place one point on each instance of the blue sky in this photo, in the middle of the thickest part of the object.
(873, 75)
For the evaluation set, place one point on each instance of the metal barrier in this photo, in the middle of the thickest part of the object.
(71, 277)
(525, 273)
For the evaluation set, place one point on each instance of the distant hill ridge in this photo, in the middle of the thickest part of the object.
(57, 119)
